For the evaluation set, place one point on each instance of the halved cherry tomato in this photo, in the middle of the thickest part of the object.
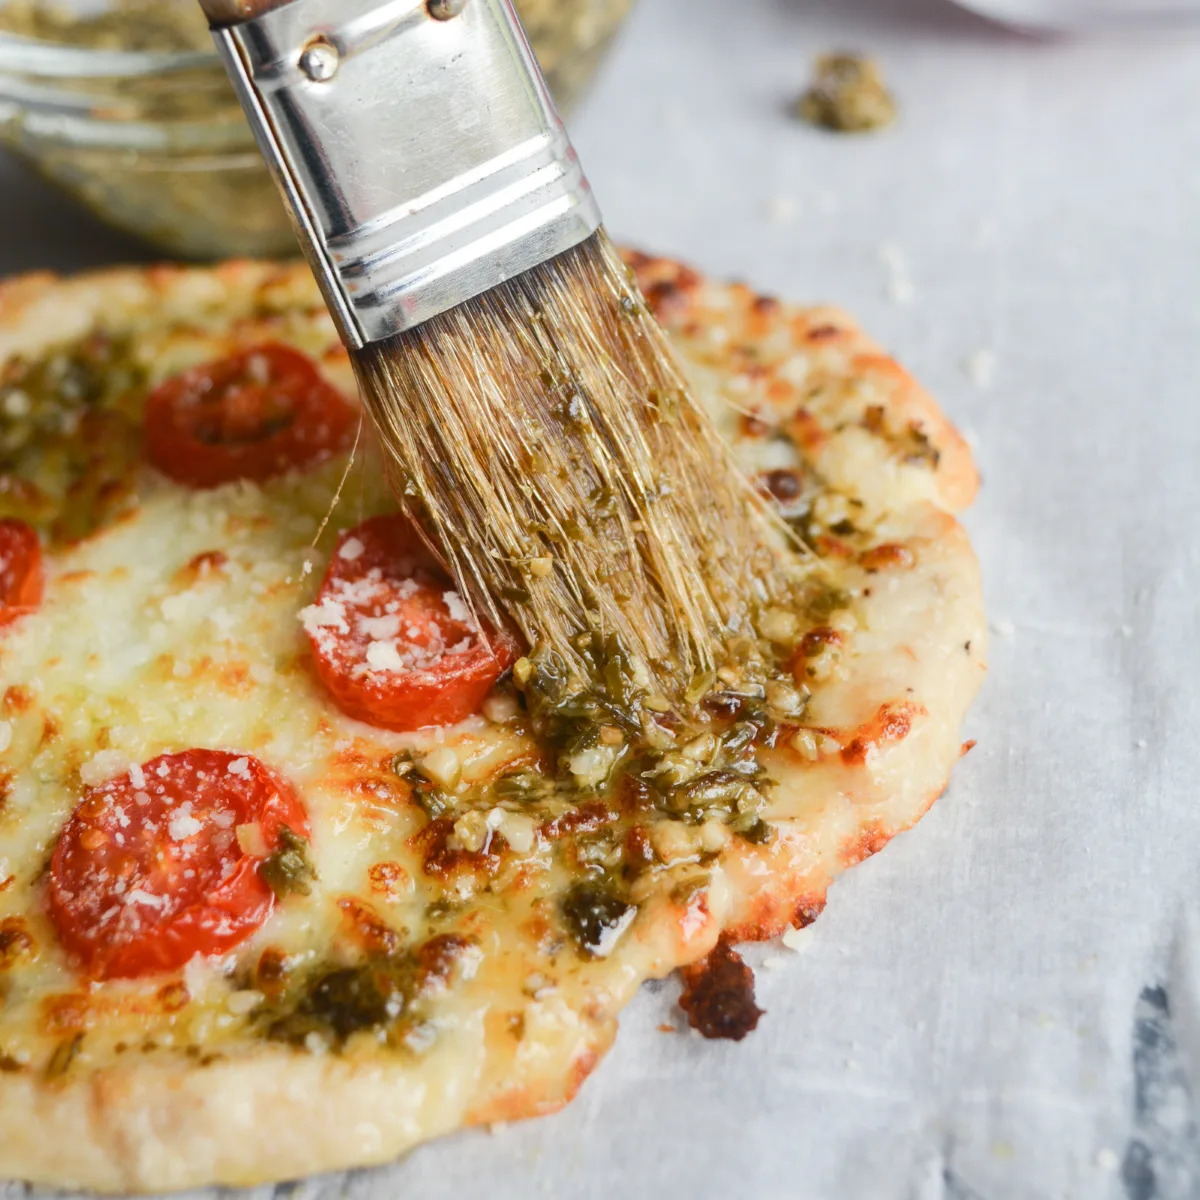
(20, 570)
(394, 644)
(257, 413)
(151, 869)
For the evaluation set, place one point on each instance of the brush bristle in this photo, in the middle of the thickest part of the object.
(544, 438)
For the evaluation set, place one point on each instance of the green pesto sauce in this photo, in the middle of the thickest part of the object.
(70, 433)
(848, 95)
(69, 437)
(289, 870)
(139, 25)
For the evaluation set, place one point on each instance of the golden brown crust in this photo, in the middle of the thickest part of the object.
(684, 301)
(883, 737)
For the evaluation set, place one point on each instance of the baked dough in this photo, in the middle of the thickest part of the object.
(174, 623)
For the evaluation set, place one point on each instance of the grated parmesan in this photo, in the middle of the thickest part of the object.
(103, 766)
(379, 628)
(383, 656)
(182, 824)
(797, 939)
(456, 608)
(329, 614)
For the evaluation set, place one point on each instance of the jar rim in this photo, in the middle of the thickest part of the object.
(56, 60)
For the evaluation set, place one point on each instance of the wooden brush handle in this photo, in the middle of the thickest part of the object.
(234, 12)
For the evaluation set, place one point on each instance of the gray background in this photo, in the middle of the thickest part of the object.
(1006, 1002)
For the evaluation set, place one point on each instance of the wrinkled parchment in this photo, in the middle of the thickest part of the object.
(1006, 1001)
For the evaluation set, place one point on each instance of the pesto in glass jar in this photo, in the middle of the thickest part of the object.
(127, 108)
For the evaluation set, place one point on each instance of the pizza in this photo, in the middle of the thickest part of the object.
(299, 866)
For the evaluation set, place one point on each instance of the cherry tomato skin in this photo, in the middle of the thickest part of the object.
(252, 415)
(150, 871)
(21, 576)
(392, 642)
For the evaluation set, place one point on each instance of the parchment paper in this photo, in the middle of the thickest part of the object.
(1006, 1001)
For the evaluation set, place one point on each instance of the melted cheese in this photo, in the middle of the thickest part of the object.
(182, 623)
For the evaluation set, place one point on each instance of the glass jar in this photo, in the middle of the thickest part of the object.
(570, 38)
(126, 107)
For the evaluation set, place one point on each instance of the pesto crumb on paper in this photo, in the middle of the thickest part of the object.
(847, 95)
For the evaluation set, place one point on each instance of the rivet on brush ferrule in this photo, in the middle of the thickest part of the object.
(319, 60)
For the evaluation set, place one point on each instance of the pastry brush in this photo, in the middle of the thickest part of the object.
(533, 418)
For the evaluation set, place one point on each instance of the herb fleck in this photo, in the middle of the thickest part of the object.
(289, 869)
(847, 96)
(596, 916)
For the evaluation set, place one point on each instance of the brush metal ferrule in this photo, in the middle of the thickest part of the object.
(421, 156)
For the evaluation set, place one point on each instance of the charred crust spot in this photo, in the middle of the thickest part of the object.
(16, 943)
(815, 640)
(666, 299)
(17, 699)
(587, 818)
(370, 930)
(890, 555)
(807, 910)
(200, 567)
(388, 879)
(891, 724)
(436, 959)
(353, 760)
(235, 678)
(633, 795)
(832, 547)
(271, 970)
(765, 306)
(50, 730)
(785, 484)
(753, 426)
(804, 429)
(822, 333)
(70, 577)
(173, 997)
(437, 859)
(718, 995)
(63, 1014)
(665, 284)
(867, 842)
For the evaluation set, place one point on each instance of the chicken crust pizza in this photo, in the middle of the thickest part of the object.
(301, 866)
